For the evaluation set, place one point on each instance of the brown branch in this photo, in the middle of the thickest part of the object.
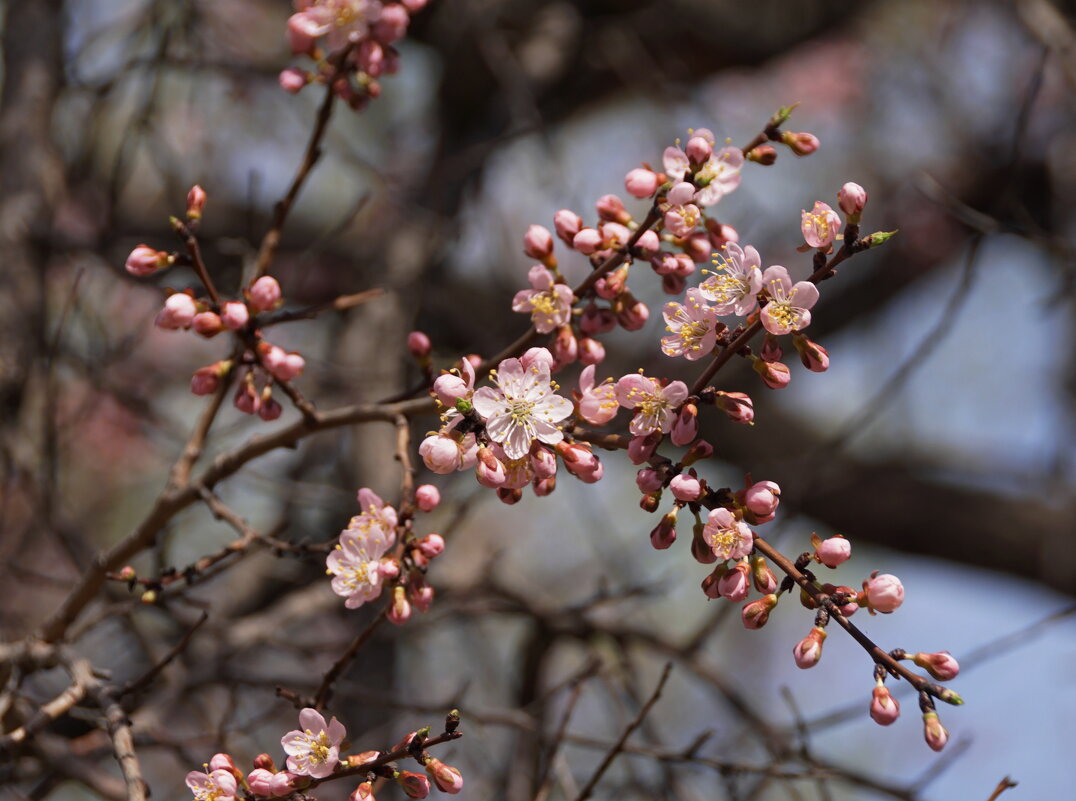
(1003, 785)
(545, 778)
(341, 303)
(618, 747)
(146, 678)
(325, 689)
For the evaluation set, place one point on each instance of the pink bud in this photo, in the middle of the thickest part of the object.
(648, 244)
(427, 497)
(178, 312)
(370, 56)
(537, 358)
(596, 320)
(400, 610)
(290, 367)
(884, 593)
(698, 150)
(611, 209)
(685, 487)
(648, 480)
(933, 732)
(762, 577)
(686, 426)
(848, 608)
(633, 317)
(260, 782)
(697, 247)
(565, 346)
(269, 409)
(641, 182)
(711, 585)
(642, 448)
(941, 665)
(852, 199)
(809, 650)
(264, 762)
(720, 234)
(681, 194)
(392, 24)
(234, 315)
(580, 461)
(431, 546)
(757, 613)
(292, 80)
(567, 224)
(418, 344)
(697, 452)
(775, 375)
(441, 454)
(246, 397)
(762, 499)
(766, 155)
(833, 551)
(664, 533)
(225, 762)
(388, 568)
(538, 243)
(737, 406)
(207, 323)
(771, 349)
(448, 388)
(447, 778)
(802, 144)
(813, 356)
(591, 351)
(301, 34)
(364, 792)
(144, 261)
(736, 583)
(414, 784)
(701, 551)
(285, 783)
(884, 709)
(490, 470)
(265, 293)
(543, 461)
(421, 593)
(196, 198)
(587, 241)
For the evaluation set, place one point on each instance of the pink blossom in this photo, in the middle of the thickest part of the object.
(728, 537)
(719, 176)
(680, 221)
(686, 427)
(538, 243)
(641, 182)
(265, 293)
(676, 163)
(418, 345)
(196, 199)
(809, 650)
(664, 533)
(448, 451)
(654, 404)
(522, 407)
(934, 733)
(591, 351)
(648, 480)
(884, 709)
(737, 405)
(178, 312)
(789, 305)
(207, 323)
(800, 143)
(756, 614)
(427, 497)
(941, 665)
(735, 584)
(393, 23)
(775, 375)
(219, 785)
(685, 487)
(144, 261)
(342, 21)
(234, 315)
(692, 327)
(633, 316)
(833, 551)
(812, 355)
(580, 461)
(489, 470)
(762, 499)
(414, 784)
(355, 562)
(736, 282)
(611, 209)
(567, 224)
(450, 387)
(314, 748)
(447, 778)
(883, 593)
(597, 403)
(852, 199)
(820, 225)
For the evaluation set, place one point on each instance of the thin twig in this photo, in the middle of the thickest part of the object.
(146, 678)
(325, 689)
(1003, 785)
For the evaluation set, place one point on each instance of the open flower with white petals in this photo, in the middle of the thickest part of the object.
(218, 785)
(692, 327)
(789, 305)
(314, 749)
(654, 404)
(355, 562)
(719, 176)
(728, 537)
(736, 282)
(522, 408)
(549, 304)
(343, 21)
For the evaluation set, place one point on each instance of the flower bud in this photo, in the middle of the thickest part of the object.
(178, 312)
(820, 225)
(833, 551)
(809, 650)
(265, 294)
(697, 452)
(701, 551)
(757, 613)
(685, 487)
(269, 409)
(196, 198)
(933, 732)
(419, 346)
(234, 315)
(941, 665)
(538, 358)
(538, 243)
(642, 448)
(849, 607)
(264, 762)
(648, 480)
(431, 546)
(611, 209)
(127, 573)
(207, 323)
(664, 533)
(441, 454)
(802, 144)
(720, 234)
(641, 182)
(711, 585)
(447, 778)
(698, 248)
(565, 346)
(400, 610)
(421, 593)
(591, 351)
(883, 593)
(633, 316)
(698, 150)
(587, 241)
(567, 224)
(580, 461)
(673, 284)
(490, 470)
(427, 497)
(884, 709)
(686, 426)
(364, 792)
(414, 784)
(735, 584)
(762, 499)
(877, 238)
(292, 80)
(766, 155)
(449, 388)
(737, 405)
(681, 193)
(144, 261)
(206, 380)
(509, 496)
(647, 244)
(813, 356)
(762, 577)
(260, 781)
(596, 320)
(544, 486)
(543, 462)
(771, 349)
(775, 375)
(852, 198)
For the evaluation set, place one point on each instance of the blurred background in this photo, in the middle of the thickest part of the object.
(941, 440)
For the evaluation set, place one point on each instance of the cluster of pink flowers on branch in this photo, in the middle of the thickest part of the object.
(351, 43)
(315, 754)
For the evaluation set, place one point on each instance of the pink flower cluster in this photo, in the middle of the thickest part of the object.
(314, 753)
(351, 42)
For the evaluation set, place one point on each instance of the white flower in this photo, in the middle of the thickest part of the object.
(692, 327)
(355, 563)
(549, 304)
(315, 749)
(522, 408)
(654, 404)
(734, 286)
(790, 304)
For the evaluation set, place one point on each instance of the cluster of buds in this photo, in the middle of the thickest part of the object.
(361, 563)
(351, 43)
(314, 753)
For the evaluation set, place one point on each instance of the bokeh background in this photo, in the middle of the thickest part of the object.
(940, 441)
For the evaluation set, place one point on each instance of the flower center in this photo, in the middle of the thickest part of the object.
(544, 303)
(318, 747)
(521, 411)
